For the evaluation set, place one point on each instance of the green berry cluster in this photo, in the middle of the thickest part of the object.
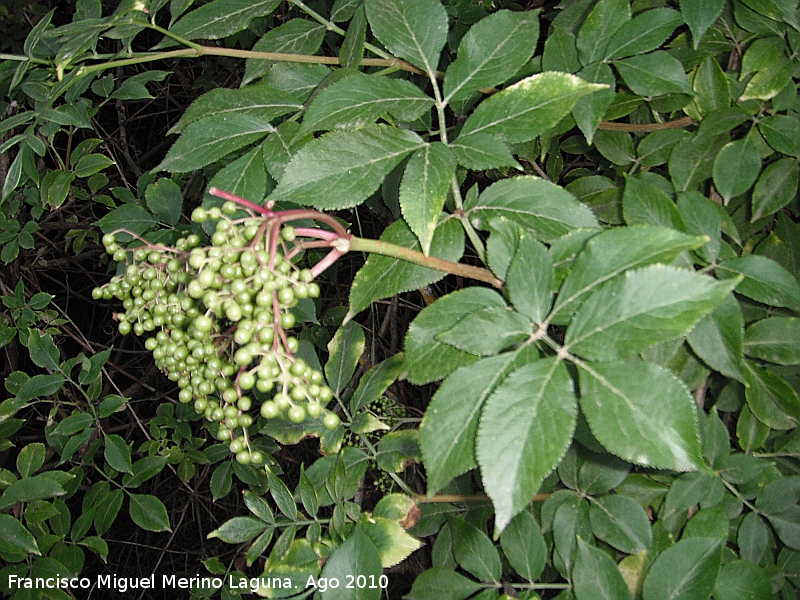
(219, 315)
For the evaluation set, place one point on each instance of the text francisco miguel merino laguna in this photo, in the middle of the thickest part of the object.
(123, 584)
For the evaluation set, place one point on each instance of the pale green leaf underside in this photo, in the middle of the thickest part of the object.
(530, 107)
(342, 168)
(534, 412)
(644, 307)
(642, 413)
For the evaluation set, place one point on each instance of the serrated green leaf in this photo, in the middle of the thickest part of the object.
(221, 18)
(391, 540)
(612, 252)
(645, 32)
(547, 210)
(133, 88)
(447, 432)
(144, 469)
(475, 552)
(366, 422)
(752, 537)
(221, 480)
(279, 147)
(381, 276)
(360, 99)
(589, 110)
(604, 20)
(712, 88)
(736, 167)
(524, 546)
(616, 146)
(356, 555)
(654, 74)
(117, 453)
(481, 151)
(424, 188)
(245, 177)
(621, 522)
(165, 200)
(15, 534)
(238, 530)
(742, 579)
(528, 108)
(38, 386)
(207, 140)
(344, 350)
(487, 331)
(491, 52)
(700, 15)
(766, 57)
(149, 513)
(691, 161)
(343, 168)
(534, 410)
(428, 359)
(352, 50)
(764, 281)
(30, 459)
(440, 583)
(644, 203)
(37, 487)
(776, 339)
(644, 307)
(259, 507)
(654, 149)
(43, 350)
(92, 163)
(642, 413)
(570, 522)
(296, 36)
(282, 496)
(397, 450)
(502, 244)
(772, 400)
(530, 279)
(750, 432)
(782, 133)
(685, 571)
(560, 53)
(415, 30)
(775, 188)
(259, 101)
(596, 577)
(717, 339)
(132, 217)
(375, 381)
(106, 513)
(702, 216)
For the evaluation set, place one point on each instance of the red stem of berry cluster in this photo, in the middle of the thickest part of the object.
(340, 241)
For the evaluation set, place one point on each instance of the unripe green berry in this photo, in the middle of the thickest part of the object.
(297, 414)
(331, 421)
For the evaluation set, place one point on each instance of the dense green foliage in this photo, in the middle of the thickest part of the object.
(598, 201)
